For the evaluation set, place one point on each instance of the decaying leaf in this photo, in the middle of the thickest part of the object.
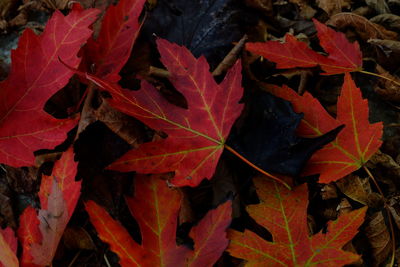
(59, 193)
(379, 238)
(53, 221)
(389, 88)
(365, 28)
(333, 7)
(283, 213)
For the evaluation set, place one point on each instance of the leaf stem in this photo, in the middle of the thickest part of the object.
(380, 76)
(388, 214)
(255, 167)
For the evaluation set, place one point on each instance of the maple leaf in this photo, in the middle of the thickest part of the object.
(8, 245)
(196, 136)
(284, 214)
(59, 193)
(353, 146)
(111, 49)
(343, 55)
(28, 233)
(158, 223)
(36, 74)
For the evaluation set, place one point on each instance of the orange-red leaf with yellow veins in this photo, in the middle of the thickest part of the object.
(353, 146)
(343, 56)
(284, 214)
(120, 27)
(156, 207)
(36, 74)
(8, 251)
(196, 136)
(112, 232)
(28, 233)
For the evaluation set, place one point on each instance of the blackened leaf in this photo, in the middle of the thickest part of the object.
(206, 27)
(268, 139)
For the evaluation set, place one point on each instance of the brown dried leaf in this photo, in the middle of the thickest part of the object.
(379, 238)
(355, 188)
(264, 6)
(333, 7)
(344, 206)
(389, 21)
(387, 89)
(393, 46)
(379, 6)
(329, 191)
(5, 7)
(77, 238)
(365, 28)
(126, 127)
(306, 11)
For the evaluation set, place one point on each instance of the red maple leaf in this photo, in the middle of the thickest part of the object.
(284, 214)
(158, 224)
(343, 56)
(8, 251)
(353, 146)
(197, 135)
(36, 74)
(59, 193)
(120, 27)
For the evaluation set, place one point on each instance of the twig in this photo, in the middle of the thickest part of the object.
(224, 65)
(230, 58)
(256, 168)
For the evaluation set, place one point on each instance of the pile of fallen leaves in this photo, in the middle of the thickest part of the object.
(199, 133)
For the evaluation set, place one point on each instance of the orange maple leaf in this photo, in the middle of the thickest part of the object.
(284, 214)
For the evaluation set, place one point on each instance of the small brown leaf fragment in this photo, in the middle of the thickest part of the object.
(22, 180)
(129, 129)
(306, 11)
(380, 6)
(329, 191)
(386, 161)
(389, 46)
(387, 89)
(379, 237)
(333, 7)
(77, 238)
(394, 208)
(355, 188)
(264, 6)
(389, 21)
(365, 28)
(344, 207)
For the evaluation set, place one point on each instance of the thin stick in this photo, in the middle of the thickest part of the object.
(74, 259)
(392, 235)
(373, 179)
(230, 58)
(255, 167)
